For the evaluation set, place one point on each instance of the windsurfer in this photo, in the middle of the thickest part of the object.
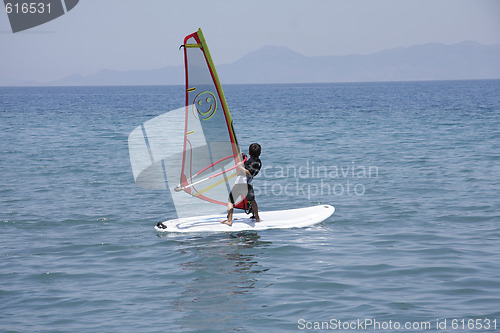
(243, 184)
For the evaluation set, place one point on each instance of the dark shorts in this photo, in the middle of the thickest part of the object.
(244, 190)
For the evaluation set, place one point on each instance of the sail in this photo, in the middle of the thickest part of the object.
(211, 150)
(191, 151)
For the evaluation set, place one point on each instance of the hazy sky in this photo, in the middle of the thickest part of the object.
(146, 34)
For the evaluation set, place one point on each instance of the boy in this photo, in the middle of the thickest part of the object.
(243, 183)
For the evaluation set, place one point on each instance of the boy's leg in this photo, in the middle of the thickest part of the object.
(230, 211)
(255, 209)
(251, 197)
(236, 192)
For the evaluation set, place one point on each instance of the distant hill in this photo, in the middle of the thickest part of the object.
(271, 64)
(172, 75)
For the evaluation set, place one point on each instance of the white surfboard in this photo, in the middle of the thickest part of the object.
(278, 219)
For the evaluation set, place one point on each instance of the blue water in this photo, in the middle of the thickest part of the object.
(413, 170)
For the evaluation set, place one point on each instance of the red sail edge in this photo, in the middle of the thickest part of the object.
(191, 167)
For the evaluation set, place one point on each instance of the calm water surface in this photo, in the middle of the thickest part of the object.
(413, 170)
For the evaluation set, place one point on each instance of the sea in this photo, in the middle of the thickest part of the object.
(412, 169)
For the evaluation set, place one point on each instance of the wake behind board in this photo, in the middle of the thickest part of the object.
(278, 219)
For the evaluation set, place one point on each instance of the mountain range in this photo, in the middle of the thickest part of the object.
(273, 64)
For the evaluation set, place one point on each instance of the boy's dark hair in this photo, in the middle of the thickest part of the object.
(254, 150)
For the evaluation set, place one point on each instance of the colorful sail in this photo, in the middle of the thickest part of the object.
(211, 150)
(191, 151)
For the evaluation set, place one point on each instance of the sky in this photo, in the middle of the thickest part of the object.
(146, 34)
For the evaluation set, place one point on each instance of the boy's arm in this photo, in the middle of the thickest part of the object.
(242, 170)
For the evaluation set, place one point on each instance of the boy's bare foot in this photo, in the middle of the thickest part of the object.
(256, 218)
(229, 223)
